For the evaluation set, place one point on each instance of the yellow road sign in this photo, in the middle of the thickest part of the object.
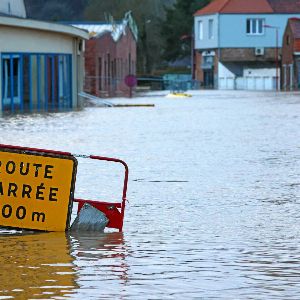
(36, 189)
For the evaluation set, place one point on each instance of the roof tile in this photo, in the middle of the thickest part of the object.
(213, 7)
(250, 6)
(295, 27)
(246, 6)
(285, 6)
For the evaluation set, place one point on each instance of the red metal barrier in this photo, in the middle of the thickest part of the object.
(113, 211)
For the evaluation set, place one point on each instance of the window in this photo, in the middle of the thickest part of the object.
(210, 29)
(288, 39)
(11, 76)
(208, 60)
(255, 26)
(200, 28)
(32, 82)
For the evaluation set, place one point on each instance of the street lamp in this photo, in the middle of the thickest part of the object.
(276, 52)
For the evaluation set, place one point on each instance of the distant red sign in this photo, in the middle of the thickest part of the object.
(130, 81)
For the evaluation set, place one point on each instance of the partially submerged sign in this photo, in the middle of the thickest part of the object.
(36, 189)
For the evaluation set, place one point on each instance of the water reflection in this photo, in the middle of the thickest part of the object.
(213, 195)
(36, 266)
(98, 249)
(101, 264)
(52, 265)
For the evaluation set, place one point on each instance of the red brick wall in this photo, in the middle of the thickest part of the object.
(288, 44)
(90, 67)
(247, 55)
(287, 49)
(125, 49)
(106, 64)
(199, 72)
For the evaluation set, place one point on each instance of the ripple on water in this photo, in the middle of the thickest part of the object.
(213, 201)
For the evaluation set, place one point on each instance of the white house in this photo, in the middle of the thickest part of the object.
(238, 42)
(13, 8)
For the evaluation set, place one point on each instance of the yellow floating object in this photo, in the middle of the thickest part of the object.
(180, 95)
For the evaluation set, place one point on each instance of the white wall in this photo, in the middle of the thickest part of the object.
(251, 72)
(226, 79)
(13, 39)
(13, 7)
(252, 79)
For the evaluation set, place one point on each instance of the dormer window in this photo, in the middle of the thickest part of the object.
(255, 26)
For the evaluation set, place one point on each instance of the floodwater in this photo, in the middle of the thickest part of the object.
(213, 212)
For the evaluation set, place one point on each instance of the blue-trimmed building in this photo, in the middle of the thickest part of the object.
(41, 65)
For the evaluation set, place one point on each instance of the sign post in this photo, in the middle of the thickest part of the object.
(36, 188)
(130, 81)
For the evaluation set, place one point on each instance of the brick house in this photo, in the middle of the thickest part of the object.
(236, 45)
(110, 55)
(290, 69)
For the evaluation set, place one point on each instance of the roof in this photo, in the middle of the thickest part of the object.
(43, 26)
(295, 27)
(250, 6)
(116, 29)
(96, 30)
(285, 6)
(213, 7)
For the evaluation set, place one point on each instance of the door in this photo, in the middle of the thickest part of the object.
(11, 78)
(208, 78)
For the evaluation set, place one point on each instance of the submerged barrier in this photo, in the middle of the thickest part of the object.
(37, 190)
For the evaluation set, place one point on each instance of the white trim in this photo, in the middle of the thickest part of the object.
(256, 21)
(208, 53)
(44, 26)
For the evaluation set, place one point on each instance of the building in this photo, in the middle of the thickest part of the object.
(13, 8)
(290, 79)
(110, 55)
(41, 65)
(238, 42)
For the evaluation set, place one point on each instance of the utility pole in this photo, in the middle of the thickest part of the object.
(276, 53)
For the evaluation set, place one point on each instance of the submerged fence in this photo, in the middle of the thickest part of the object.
(101, 86)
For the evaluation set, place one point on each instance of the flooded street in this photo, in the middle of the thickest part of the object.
(213, 212)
